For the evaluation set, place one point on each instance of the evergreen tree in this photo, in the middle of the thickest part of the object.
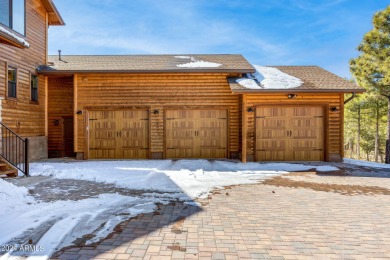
(372, 68)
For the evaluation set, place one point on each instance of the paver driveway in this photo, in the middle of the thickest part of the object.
(297, 216)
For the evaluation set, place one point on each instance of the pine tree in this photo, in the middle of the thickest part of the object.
(372, 68)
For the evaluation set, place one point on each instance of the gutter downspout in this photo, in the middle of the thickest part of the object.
(350, 98)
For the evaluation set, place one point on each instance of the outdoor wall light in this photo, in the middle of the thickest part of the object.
(56, 122)
(250, 109)
(334, 109)
(79, 112)
(156, 112)
(291, 96)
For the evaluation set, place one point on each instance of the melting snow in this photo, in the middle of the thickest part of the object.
(62, 222)
(195, 63)
(367, 164)
(269, 78)
(14, 36)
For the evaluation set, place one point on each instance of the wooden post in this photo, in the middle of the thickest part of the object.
(341, 127)
(46, 106)
(75, 116)
(244, 129)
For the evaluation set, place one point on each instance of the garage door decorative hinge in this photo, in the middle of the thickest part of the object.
(260, 117)
(222, 118)
(172, 118)
(171, 148)
(92, 119)
(144, 119)
(318, 149)
(318, 116)
(93, 149)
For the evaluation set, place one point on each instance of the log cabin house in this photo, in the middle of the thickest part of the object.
(160, 106)
(23, 47)
(193, 106)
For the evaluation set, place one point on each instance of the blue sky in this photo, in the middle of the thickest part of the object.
(267, 32)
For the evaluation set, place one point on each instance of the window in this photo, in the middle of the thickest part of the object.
(34, 88)
(12, 14)
(11, 82)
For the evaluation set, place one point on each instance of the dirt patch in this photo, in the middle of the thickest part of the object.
(177, 228)
(349, 190)
(177, 247)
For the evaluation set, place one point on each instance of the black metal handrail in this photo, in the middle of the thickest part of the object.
(14, 149)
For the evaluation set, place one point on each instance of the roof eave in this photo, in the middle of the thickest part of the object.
(57, 72)
(255, 91)
(53, 13)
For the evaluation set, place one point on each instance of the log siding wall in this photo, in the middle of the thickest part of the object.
(333, 123)
(21, 115)
(155, 91)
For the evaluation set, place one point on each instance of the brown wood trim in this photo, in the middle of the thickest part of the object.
(165, 134)
(244, 130)
(149, 133)
(304, 91)
(46, 106)
(326, 133)
(98, 108)
(228, 134)
(195, 107)
(75, 109)
(342, 126)
(179, 71)
(86, 135)
(47, 38)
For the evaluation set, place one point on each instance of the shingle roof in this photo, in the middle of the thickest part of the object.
(314, 79)
(147, 63)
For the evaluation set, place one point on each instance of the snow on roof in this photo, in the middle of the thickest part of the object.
(269, 78)
(14, 37)
(195, 63)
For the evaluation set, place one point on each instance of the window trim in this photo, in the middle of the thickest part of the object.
(31, 88)
(16, 81)
(10, 16)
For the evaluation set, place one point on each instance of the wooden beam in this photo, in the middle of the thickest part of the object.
(342, 126)
(46, 106)
(46, 39)
(244, 129)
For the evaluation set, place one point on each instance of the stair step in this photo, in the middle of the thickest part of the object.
(11, 173)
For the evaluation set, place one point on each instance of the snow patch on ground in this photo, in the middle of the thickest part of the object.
(186, 178)
(60, 223)
(269, 78)
(195, 63)
(14, 36)
(367, 164)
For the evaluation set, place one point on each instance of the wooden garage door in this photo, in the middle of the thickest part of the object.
(196, 133)
(118, 134)
(290, 133)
